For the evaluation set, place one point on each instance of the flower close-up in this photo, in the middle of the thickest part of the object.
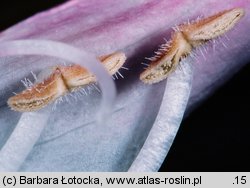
(106, 85)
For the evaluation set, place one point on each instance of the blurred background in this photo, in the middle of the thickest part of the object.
(214, 137)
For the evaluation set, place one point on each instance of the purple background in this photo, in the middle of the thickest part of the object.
(209, 138)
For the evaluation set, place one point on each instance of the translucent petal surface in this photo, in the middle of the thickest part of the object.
(70, 141)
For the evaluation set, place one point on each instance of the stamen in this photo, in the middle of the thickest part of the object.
(186, 37)
(61, 80)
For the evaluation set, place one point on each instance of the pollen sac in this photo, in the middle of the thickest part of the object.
(39, 95)
(56, 81)
(186, 37)
(162, 67)
(212, 27)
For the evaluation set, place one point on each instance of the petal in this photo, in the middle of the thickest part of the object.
(136, 28)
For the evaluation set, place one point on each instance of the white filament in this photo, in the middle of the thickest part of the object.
(20, 143)
(168, 120)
